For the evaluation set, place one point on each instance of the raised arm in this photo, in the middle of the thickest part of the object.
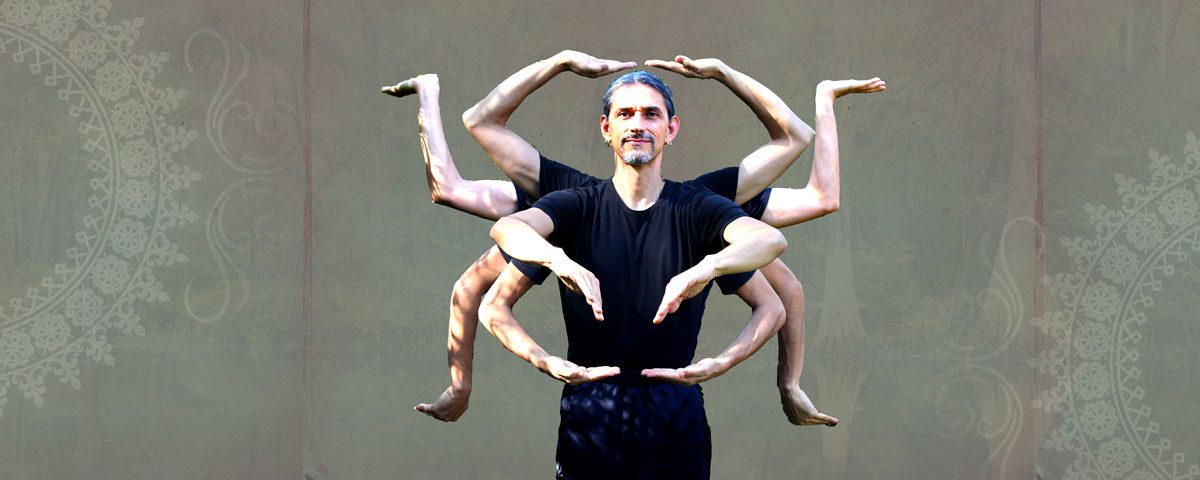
(822, 195)
(490, 199)
(765, 319)
(751, 244)
(789, 135)
(487, 121)
(497, 316)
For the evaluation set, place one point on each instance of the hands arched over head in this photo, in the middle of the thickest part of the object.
(589, 66)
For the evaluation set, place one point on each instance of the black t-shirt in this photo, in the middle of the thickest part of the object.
(554, 176)
(633, 255)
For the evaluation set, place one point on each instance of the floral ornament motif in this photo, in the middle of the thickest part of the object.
(1102, 419)
(130, 143)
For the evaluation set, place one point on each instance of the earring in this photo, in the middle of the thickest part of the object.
(608, 143)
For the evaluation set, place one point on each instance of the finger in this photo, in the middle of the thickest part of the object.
(827, 420)
(597, 373)
(615, 66)
(672, 66)
(661, 373)
(402, 89)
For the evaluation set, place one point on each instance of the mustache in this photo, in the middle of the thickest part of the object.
(638, 136)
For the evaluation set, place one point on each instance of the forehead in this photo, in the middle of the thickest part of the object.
(636, 95)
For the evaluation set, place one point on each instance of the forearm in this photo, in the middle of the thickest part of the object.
(825, 180)
(522, 242)
(502, 101)
(781, 123)
(790, 136)
(440, 171)
(500, 321)
(764, 322)
(750, 251)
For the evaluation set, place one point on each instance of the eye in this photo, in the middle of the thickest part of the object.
(624, 114)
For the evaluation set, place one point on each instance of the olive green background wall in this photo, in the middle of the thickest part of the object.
(220, 258)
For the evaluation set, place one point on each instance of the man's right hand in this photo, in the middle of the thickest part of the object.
(589, 66)
(800, 410)
(567, 372)
(579, 280)
(448, 407)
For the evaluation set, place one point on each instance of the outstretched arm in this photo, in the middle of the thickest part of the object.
(751, 244)
(488, 120)
(765, 319)
(821, 196)
(497, 316)
(490, 199)
(789, 135)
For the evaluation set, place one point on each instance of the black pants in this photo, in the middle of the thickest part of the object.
(618, 431)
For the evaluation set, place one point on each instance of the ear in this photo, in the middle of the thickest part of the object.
(604, 127)
(673, 128)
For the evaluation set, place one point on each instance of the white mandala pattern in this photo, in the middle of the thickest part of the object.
(123, 125)
(1095, 337)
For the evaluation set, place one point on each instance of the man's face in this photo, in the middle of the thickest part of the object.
(637, 124)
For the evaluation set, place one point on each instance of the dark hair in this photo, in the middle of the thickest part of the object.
(640, 77)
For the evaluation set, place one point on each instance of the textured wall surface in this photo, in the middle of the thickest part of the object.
(220, 258)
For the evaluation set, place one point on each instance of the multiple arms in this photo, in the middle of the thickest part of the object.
(752, 244)
(490, 199)
(488, 120)
(497, 316)
(789, 134)
(765, 319)
(821, 196)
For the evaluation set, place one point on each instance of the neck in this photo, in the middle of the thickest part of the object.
(639, 186)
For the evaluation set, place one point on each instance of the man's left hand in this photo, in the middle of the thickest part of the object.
(701, 68)
(800, 410)
(682, 287)
(703, 370)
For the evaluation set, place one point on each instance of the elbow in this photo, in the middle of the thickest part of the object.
(802, 134)
(471, 118)
(777, 243)
(830, 205)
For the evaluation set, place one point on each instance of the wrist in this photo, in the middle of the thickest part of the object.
(710, 267)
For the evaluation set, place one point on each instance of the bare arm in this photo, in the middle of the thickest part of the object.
(765, 319)
(752, 244)
(487, 121)
(822, 195)
(789, 135)
(523, 236)
(796, 404)
(490, 199)
(497, 316)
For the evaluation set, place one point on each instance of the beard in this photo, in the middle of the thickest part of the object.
(637, 158)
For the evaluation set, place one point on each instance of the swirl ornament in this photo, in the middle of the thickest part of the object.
(1094, 337)
(124, 128)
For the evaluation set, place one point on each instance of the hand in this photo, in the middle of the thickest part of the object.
(567, 372)
(840, 88)
(702, 68)
(425, 84)
(682, 287)
(448, 407)
(800, 410)
(701, 371)
(589, 66)
(580, 280)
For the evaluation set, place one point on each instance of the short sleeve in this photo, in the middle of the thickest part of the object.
(554, 176)
(711, 215)
(564, 208)
(537, 273)
(757, 206)
(730, 283)
(722, 182)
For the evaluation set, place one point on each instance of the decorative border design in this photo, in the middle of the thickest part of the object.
(123, 122)
(1095, 335)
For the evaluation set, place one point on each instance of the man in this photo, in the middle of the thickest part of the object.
(654, 245)
(491, 199)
